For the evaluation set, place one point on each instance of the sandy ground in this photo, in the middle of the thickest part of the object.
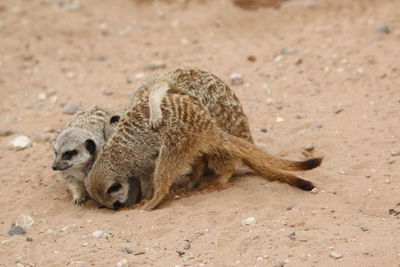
(336, 85)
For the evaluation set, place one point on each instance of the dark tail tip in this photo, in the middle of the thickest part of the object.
(304, 184)
(310, 163)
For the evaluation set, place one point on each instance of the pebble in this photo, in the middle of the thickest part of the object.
(249, 221)
(5, 132)
(314, 190)
(335, 255)
(123, 263)
(41, 96)
(97, 234)
(180, 252)
(186, 246)
(309, 147)
(156, 64)
(25, 221)
(318, 125)
(236, 79)
(278, 263)
(288, 51)
(303, 132)
(279, 119)
(251, 58)
(71, 108)
(16, 230)
(290, 207)
(383, 30)
(292, 236)
(127, 250)
(310, 4)
(395, 152)
(391, 161)
(337, 110)
(107, 91)
(21, 142)
(278, 58)
(264, 130)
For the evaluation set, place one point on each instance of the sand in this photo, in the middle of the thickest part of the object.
(314, 72)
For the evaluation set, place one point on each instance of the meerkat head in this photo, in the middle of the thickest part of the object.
(112, 191)
(74, 148)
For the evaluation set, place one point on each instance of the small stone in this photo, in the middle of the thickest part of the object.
(236, 79)
(101, 58)
(364, 229)
(264, 130)
(251, 58)
(5, 132)
(278, 263)
(383, 30)
(342, 172)
(249, 221)
(303, 132)
(292, 236)
(127, 250)
(318, 125)
(186, 246)
(140, 75)
(278, 58)
(395, 152)
(180, 252)
(309, 147)
(20, 265)
(71, 108)
(279, 119)
(335, 255)
(387, 181)
(391, 161)
(25, 221)
(290, 207)
(107, 91)
(123, 263)
(21, 142)
(98, 234)
(288, 51)
(298, 61)
(29, 239)
(16, 230)
(314, 190)
(337, 110)
(310, 4)
(41, 96)
(156, 64)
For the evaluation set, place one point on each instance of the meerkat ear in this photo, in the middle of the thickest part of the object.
(90, 146)
(114, 119)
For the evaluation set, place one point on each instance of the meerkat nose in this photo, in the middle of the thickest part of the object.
(55, 167)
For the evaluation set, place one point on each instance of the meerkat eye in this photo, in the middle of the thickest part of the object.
(67, 155)
(114, 188)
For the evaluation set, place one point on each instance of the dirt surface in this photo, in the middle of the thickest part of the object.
(314, 73)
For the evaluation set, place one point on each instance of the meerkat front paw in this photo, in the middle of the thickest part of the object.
(80, 200)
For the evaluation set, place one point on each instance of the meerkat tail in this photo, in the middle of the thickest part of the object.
(265, 164)
(156, 94)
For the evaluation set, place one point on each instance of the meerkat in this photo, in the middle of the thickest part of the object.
(77, 145)
(186, 134)
(214, 95)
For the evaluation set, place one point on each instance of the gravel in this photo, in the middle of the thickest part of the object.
(122, 263)
(249, 221)
(155, 65)
(335, 255)
(236, 79)
(384, 29)
(16, 230)
(20, 142)
(71, 108)
(107, 91)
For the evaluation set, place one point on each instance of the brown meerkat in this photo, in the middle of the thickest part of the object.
(214, 95)
(77, 145)
(187, 133)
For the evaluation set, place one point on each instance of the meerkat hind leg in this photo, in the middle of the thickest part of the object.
(77, 189)
(156, 95)
(224, 169)
(170, 163)
(199, 168)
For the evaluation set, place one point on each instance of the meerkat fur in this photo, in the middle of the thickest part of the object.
(77, 145)
(186, 135)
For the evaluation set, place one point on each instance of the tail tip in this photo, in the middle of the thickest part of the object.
(304, 184)
(311, 163)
